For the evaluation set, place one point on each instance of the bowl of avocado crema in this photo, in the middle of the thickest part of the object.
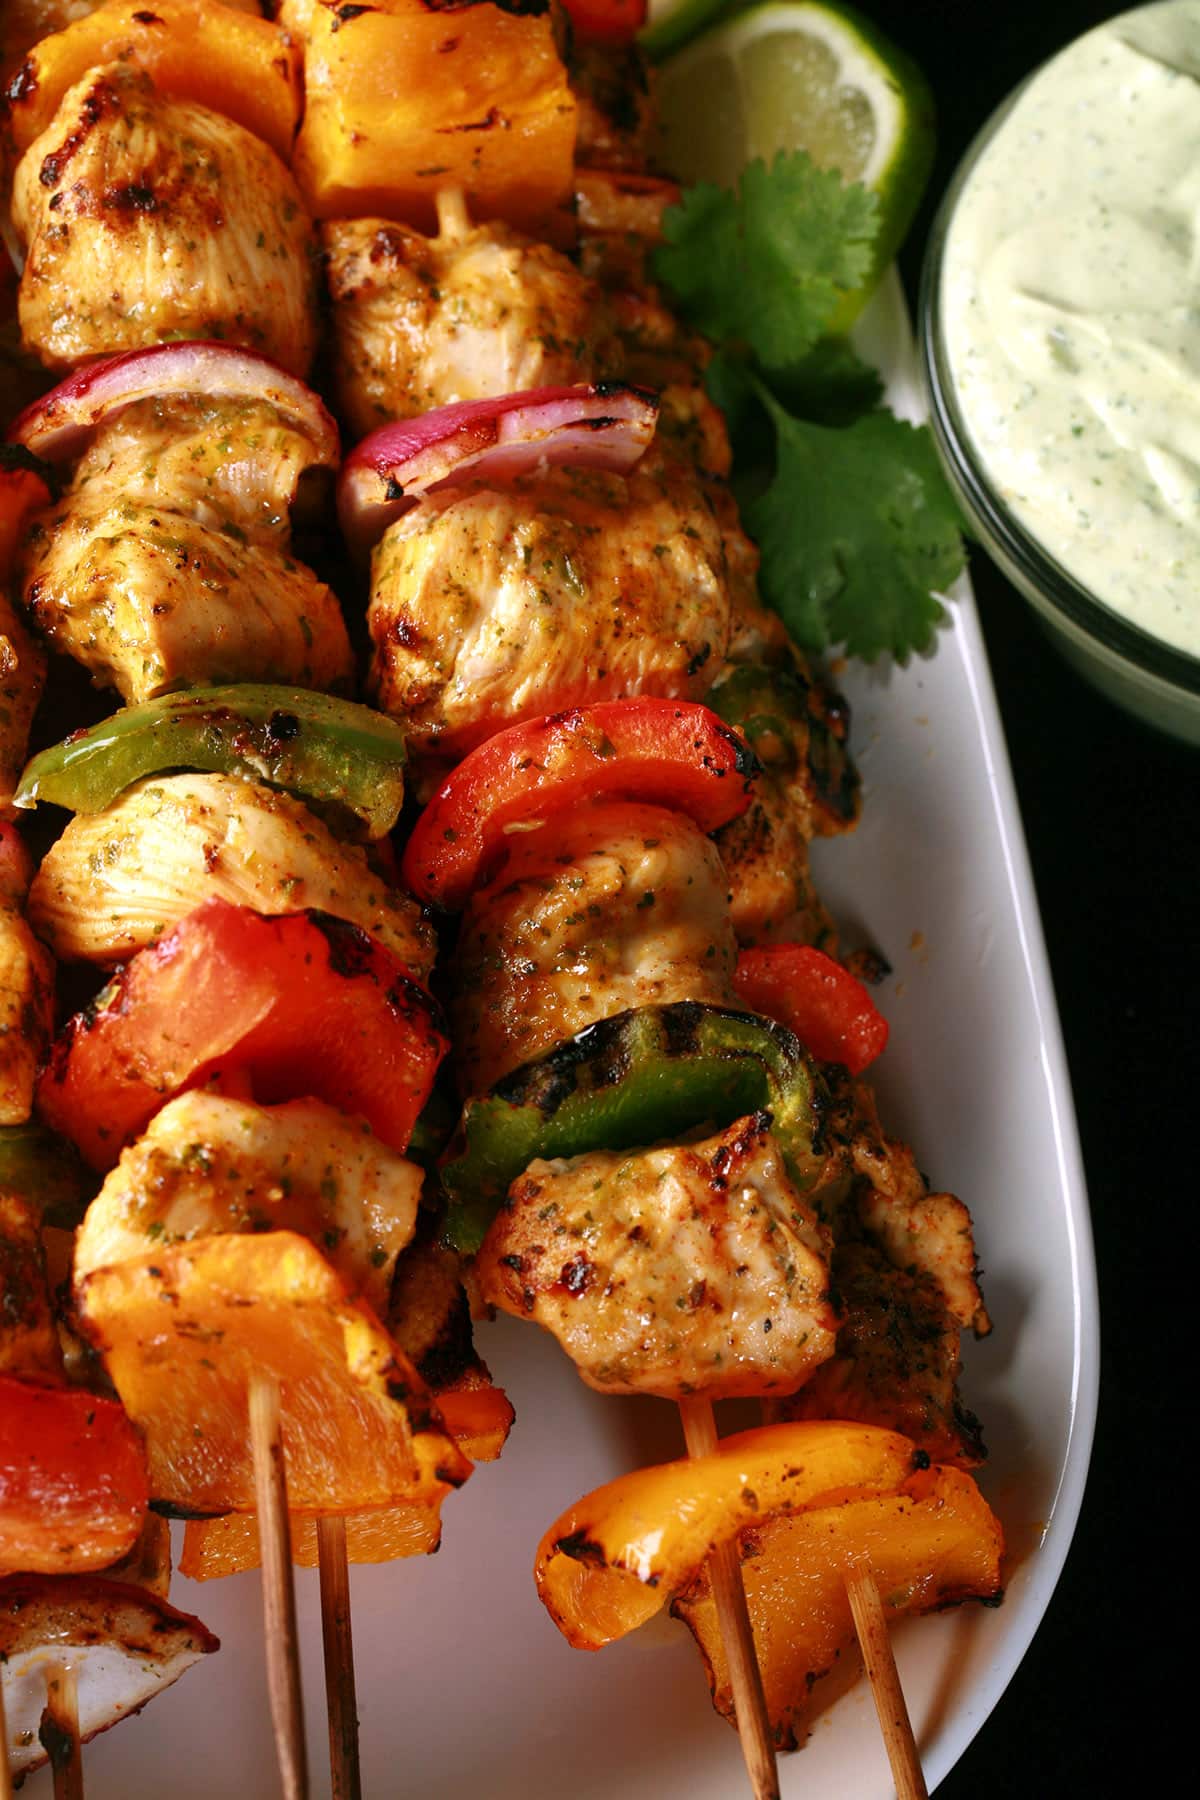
(1060, 337)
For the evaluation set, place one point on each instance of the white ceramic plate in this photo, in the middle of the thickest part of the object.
(465, 1688)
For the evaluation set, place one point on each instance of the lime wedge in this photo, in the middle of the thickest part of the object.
(795, 75)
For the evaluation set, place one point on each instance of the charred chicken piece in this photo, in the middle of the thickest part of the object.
(211, 1164)
(124, 1643)
(475, 312)
(562, 589)
(613, 906)
(620, 216)
(920, 1232)
(691, 1269)
(797, 727)
(167, 560)
(146, 218)
(897, 1360)
(116, 880)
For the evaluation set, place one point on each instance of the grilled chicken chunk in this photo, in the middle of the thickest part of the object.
(568, 587)
(146, 218)
(421, 322)
(613, 906)
(809, 787)
(897, 1360)
(166, 562)
(237, 466)
(772, 898)
(124, 1644)
(693, 1269)
(26, 985)
(620, 220)
(116, 880)
(924, 1233)
(211, 1164)
(148, 601)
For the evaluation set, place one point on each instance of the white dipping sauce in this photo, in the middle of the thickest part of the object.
(1070, 303)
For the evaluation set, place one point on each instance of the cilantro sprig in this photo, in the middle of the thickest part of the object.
(766, 267)
(857, 528)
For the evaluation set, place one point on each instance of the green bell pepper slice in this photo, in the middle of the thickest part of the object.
(653, 1073)
(344, 760)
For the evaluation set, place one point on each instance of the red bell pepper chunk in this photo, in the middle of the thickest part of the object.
(607, 21)
(73, 1490)
(302, 1005)
(665, 752)
(829, 1009)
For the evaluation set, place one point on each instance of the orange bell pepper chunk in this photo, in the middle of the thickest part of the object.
(621, 1553)
(230, 62)
(226, 1546)
(403, 99)
(934, 1543)
(475, 1413)
(182, 1333)
(72, 1479)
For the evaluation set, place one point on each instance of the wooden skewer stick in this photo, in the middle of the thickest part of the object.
(6, 1783)
(59, 1732)
(870, 1622)
(454, 221)
(338, 1643)
(279, 1594)
(725, 1573)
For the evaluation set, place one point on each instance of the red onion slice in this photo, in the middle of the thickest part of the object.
(58, 426)
(604, 427)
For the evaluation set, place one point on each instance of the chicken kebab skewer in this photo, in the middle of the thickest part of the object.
(556, 954)
(152, 638)
(161, 844)
(407, 627)
(105, 589)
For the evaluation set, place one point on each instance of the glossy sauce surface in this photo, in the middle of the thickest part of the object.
(1071, 313)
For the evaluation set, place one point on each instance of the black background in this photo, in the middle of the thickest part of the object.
(1110, 815)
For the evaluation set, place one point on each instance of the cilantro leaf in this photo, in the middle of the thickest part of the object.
(766, 266)
(856, 531)
(831, 386)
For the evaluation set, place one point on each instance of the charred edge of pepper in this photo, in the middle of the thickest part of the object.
(541, 1108)
(582, 1549)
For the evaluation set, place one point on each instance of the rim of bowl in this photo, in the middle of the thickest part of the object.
(1019, 553)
